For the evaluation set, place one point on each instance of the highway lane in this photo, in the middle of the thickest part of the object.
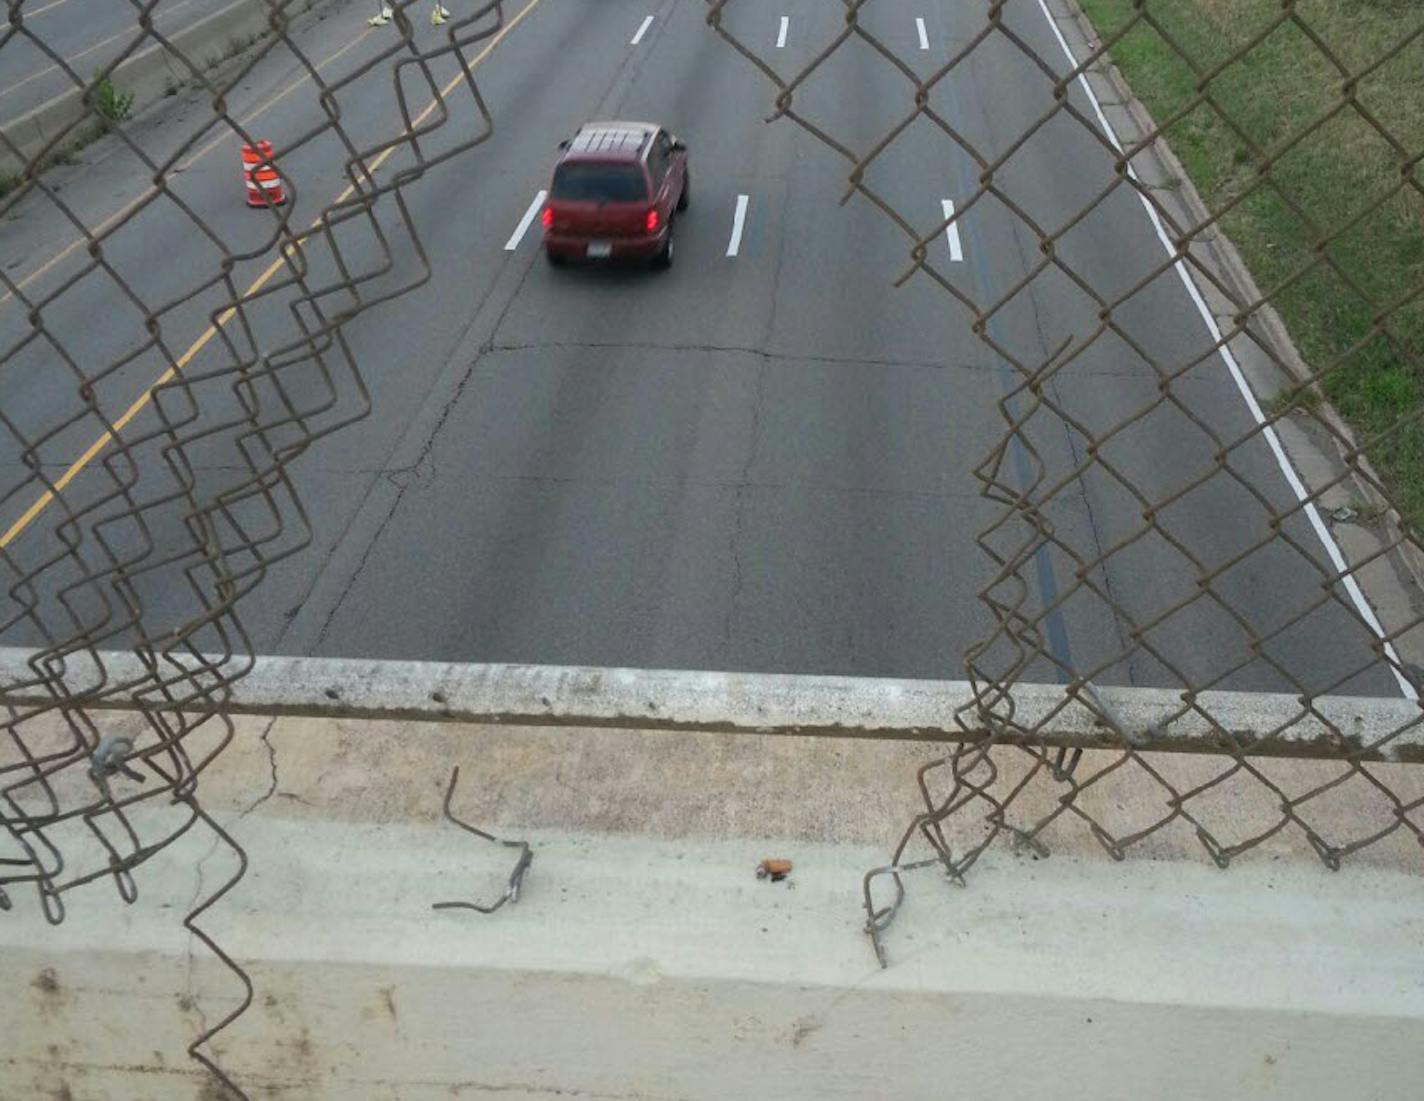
(795, 540)
(684, 469)
(1203, 641)
(760, 461)
(81, 35)
(401, 359)
(94, 322)
(1222, 522)
(163, 252)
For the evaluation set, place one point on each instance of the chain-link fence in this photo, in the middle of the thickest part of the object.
(1208, 71)
(147, 486)
(142, 523)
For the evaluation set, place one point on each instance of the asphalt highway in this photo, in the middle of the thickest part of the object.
(762, 459)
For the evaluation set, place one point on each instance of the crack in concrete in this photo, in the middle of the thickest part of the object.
(272, 766)
(189, 1001)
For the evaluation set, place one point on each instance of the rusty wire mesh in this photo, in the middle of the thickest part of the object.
(203, 501)
(195, 496)
(1003, 782)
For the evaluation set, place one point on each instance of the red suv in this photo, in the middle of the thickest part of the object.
(615, 192)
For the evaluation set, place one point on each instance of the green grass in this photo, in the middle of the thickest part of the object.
(1277, 89)
(1290, 398)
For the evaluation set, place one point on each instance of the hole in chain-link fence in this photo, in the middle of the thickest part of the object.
(151, 411)
(1124, 328)
(153, 489)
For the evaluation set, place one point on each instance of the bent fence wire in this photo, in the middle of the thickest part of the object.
(239, 364)
(1060, 454)
(107, 499)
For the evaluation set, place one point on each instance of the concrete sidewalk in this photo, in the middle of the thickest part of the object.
(644, 959)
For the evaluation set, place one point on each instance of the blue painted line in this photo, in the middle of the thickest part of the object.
(1056, 627)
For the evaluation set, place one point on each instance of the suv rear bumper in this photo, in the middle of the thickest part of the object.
(568, 247)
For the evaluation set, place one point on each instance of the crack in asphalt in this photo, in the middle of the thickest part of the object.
(764, 354)
(400, 487)
(422, 459)
(395, 481)
(633, 60)
(740, 483)
(739, 510)
(739, 501)
(1017, 229)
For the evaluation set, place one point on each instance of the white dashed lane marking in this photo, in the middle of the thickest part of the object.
(523, 227)
(951, 232)
(739, 221)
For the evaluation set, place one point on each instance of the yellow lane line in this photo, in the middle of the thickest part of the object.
(227, 315)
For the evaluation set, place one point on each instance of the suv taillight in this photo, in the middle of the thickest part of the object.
(546, 218)
(651, 223)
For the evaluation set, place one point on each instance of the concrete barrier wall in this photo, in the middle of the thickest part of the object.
(645, 960)
(148, 74)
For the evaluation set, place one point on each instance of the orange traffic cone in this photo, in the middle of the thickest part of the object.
(264, 186)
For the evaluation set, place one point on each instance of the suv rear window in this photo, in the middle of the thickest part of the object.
(606, 183)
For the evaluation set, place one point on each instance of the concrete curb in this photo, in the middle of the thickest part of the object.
(149, 74)
(749, 703)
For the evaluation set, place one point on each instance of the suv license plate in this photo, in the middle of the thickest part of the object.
(599, 250)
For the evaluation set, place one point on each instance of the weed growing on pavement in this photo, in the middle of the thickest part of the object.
(111, 104)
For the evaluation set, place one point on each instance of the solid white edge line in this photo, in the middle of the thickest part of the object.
(739, 220)
(781, 34)
(642, 30)
(1332, 549)
(924, 34)
(951, 231)
(523, 227)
